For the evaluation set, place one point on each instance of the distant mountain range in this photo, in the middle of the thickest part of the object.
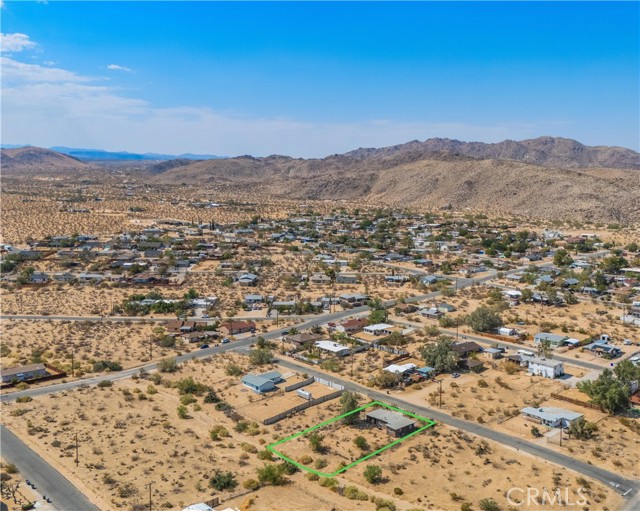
(547, 177)
(99, 154)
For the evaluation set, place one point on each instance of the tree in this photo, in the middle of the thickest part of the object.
(544, 348)
(582, 429)
(439, 355)
(349, 402)
(191, 294)
(527, 295)
(386, 379)
(260, 356)
(377, 316)
(562, 258)
(607, 392)
(626, 372)
(484, 319)
(373, 474)
(613, 264)
(168, 365)
(222, 481)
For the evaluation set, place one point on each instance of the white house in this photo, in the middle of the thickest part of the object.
(400, 368)
(378, 329)
(543, 367)
(335, 348)
(551, 417)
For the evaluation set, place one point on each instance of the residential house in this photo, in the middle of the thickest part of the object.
(22, 373)
(431, 313)
(350, 326)
(264, 382)
(406, 308)
(396, 424)
(320, 278)
(64, 277)
(335, 348)
(555, 340)
(350, 300)
(237, 327)
(543, 367)
(346, 278)
(303, 338)
(401, 369)
(378, 329)
(551, 417)
(603, 349)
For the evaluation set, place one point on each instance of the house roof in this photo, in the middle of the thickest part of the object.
(550, 337)
(394, 420)
(542, 361)
(551, 414)
(334, 347)
(399, 368)
(466, 347)
(379, 326)
(12, 371)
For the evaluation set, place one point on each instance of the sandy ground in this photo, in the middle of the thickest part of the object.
(126, 343)
(127, 441)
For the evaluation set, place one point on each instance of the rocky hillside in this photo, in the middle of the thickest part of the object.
(405, 176)
(546, 151)
(38, 160)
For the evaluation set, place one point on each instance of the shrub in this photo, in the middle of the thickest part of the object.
(190, 386)
(187, 399)
(398, 491)
(482, 384)
(218, 432)
(306, 459)
(320, 463)
(265, 455)
(251, 484)
(222, 481)
(361, 443)
(211, 397)
(373, 474)
(233, 370)
(24, 399)
(271, 474)
(106, 365)
(151, 390)
(353, 493)
(182, 412)
(329, 482)
(168, 365)
(489, 505)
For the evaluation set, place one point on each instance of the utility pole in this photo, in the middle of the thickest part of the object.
(440, 382)
(77, 459)
(150, 484)
(150, 349)
(73, 366)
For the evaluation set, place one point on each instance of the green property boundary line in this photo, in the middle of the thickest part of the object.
(272, 447)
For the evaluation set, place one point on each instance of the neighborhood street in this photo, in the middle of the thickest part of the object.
(64, 495)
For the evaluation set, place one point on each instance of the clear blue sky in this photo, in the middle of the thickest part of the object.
(311, 79)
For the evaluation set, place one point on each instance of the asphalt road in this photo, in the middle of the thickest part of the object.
(619, 483)
(64, 495)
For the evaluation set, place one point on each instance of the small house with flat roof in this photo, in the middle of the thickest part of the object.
(396, 424)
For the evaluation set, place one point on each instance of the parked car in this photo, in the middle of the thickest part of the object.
(204, 346)
(226, 340)
(205, 316)
(455, 375)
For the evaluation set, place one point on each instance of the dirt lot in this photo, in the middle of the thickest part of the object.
(130, 434)
(54, 342)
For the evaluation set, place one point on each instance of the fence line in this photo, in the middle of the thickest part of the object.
(575, 401)
(328, 383)
(300, 384)
(300, 407)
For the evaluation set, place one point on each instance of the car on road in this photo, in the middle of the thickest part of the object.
(204, 346)
(226, 340)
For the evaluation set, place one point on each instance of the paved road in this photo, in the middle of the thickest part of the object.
(619, 483)
(239, 345)
(64, 495)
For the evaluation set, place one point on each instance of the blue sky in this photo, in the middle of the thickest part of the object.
(312, 79)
